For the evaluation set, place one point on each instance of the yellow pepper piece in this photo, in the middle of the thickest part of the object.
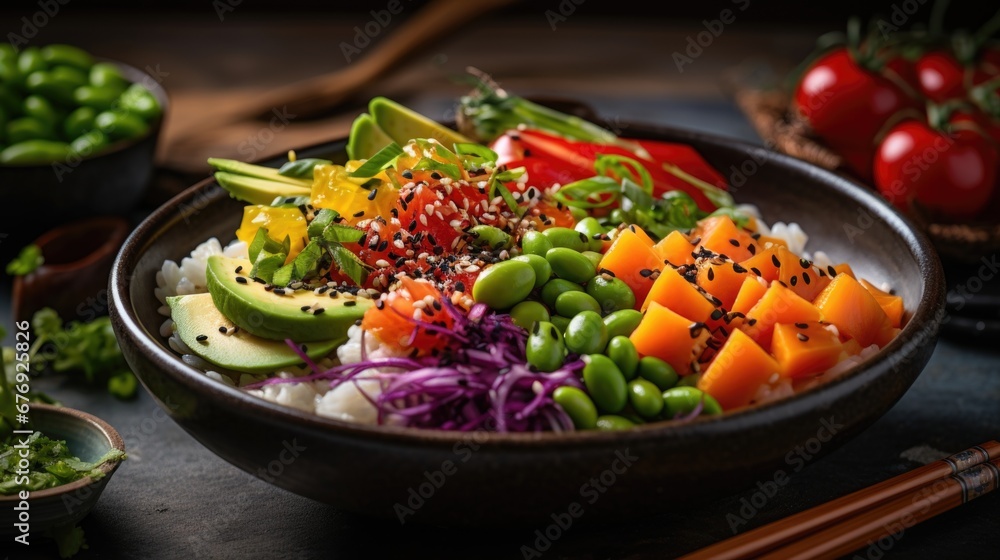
(279, 223)
(334, 189)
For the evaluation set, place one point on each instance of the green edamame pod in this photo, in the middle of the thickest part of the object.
(569, 264)
(594, 258)
(645, 398)
(57, 85)
(682, 401)
(490, 237)
(689, 380)
(567, 238)
(545, 349)
(577, 405)
(500, 286)
(89, 143)
(657, 371)
(39, 108)
(28, 128)
(594, 232)
(140, 101)
(586, 334)
(605, 383)
(535, 243)
(612, 293)
(623, 353)
(105, 74)
(34, 152)
(120, 125)
(99, 98)
(30, 60)
(67, 55)
(9, 73)
(543, 271)
(555, 287)
(622, 322)
(571, 304)
(79, 121)
(613, 422)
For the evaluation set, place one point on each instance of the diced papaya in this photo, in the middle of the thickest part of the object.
(892, 305)
(751, 291)
(778, 263)
(675, 248)
(720, 234)
(778, 305)
(632, 261)
(855, 312)
(673, 291)
(641, 233)
(804, 349)
(851, 347)
(738, 371)
(766, 242)
(722, 279)
(844, 268)
(671, 337)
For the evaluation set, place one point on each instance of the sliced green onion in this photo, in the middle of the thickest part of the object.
(385, 158)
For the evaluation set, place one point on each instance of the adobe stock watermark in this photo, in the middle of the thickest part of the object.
(289, 453)
(796, 460)
(899, 15)
(32, 24)
(561, 14)
(254, 144)
(987, 271)
(364, 34)
(697, 43)
(590, 492)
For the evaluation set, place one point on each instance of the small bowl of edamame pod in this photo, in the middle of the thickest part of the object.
(77, 134)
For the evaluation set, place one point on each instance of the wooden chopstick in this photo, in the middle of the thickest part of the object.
(754, 543)
(884, 525)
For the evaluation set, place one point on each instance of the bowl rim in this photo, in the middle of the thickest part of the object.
(112, 437)
(921, 329)
(135, 76)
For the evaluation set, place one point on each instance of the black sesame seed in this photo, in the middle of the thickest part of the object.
(831, 270)
(435, 175)
(305, 307)
(805, 264)
(734, 242)
(802, 337)
(383, 245)
(239, 269)
(739, 269)
(752, 248)
(223, 330)
(645, 273)
(805, 278)
(379, 304)
(259, 280)
(373, 194)
(279, 291)
(201, 337)
(711, 274)
(717, 314)
(755, 270)
(696, 241)
(359, 213)
(775, 261)
(695, 329)
(752, 322)
(794, 280)
(241, 279)
(350, 303)
(802, 325)
(319, 311)
(408, 174)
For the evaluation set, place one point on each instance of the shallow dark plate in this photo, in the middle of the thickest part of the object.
(478, 479)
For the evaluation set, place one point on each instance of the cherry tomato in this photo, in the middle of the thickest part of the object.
(942, 76)
(899, 69)
(847, 106)
(952, 175)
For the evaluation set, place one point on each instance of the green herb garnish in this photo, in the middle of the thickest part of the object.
(26, 262)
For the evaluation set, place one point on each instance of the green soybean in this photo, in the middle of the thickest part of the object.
(34, 152)
(535, 243)
(527, 313)
(622, 322)
(567, 238)
(594, 232)
(545, 349)
(613, 422)
(578, 406)
(571, 304)
(490, 237)
(500, 286)
(30, 61)
(561, 323)
(623, 353)
(543, 271)
(612, 293)
(39, 108)
(9, 74)
(569, 264)
(553, 288)
(140, 101)
(58, 87)
(578, 213)
(689, 380)
(594, 257)
(645, 397)
(28, 128)
(99, 98)
(681, 401)
(105, 74)
(89, 142)
(586, 334)
(79, 121)
(68, 55)
(10, 100)
(657, 371)
(605, 383)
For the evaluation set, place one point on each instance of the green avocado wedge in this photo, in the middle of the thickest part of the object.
(237, 167)
(196, 316)
(278, 313)
(258, 191)
(367, 138)
(403, 124)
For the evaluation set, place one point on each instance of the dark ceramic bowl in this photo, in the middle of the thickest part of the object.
(89, 438)
(111, 181)
(488, 478)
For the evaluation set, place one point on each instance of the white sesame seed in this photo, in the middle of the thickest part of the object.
(455, 223)
(472, 268)
(420, 304)
(423, 220)
(429, 209)
(398, 244)
(382, 263)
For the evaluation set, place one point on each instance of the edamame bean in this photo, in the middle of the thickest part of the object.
(594, 257)
(501, 285)
(577, 405)
(689, 380)
(623, 353)
(622, 322)
(612, 293)
(657, 371)
(560, 322)
(681, 401)
(490, 237)
(571, 304)
(40, 108)
(30, 61)
(553, 288)
(139, 100)
(567, 238)
(605, 383)
(645, 397)
(33, 152)
(105, 74)
(578, 213)
(586, 334)
(613, 422)
(534, 243)
(545, 349)
(89, 142)
(10, 101)
(543, 271)
(101, 99)
(79, 121)
(28, 128)
(594, 231)
(569, 264)
(68, 55)
(121, 125)
(617, 216)
(58, 87)
(527, 313)
(9, 73)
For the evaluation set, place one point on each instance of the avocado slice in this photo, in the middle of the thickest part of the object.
(237, 167)
(367, 138)
(278, 313)
(196, 316)
(403, 124)
(258, 191)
